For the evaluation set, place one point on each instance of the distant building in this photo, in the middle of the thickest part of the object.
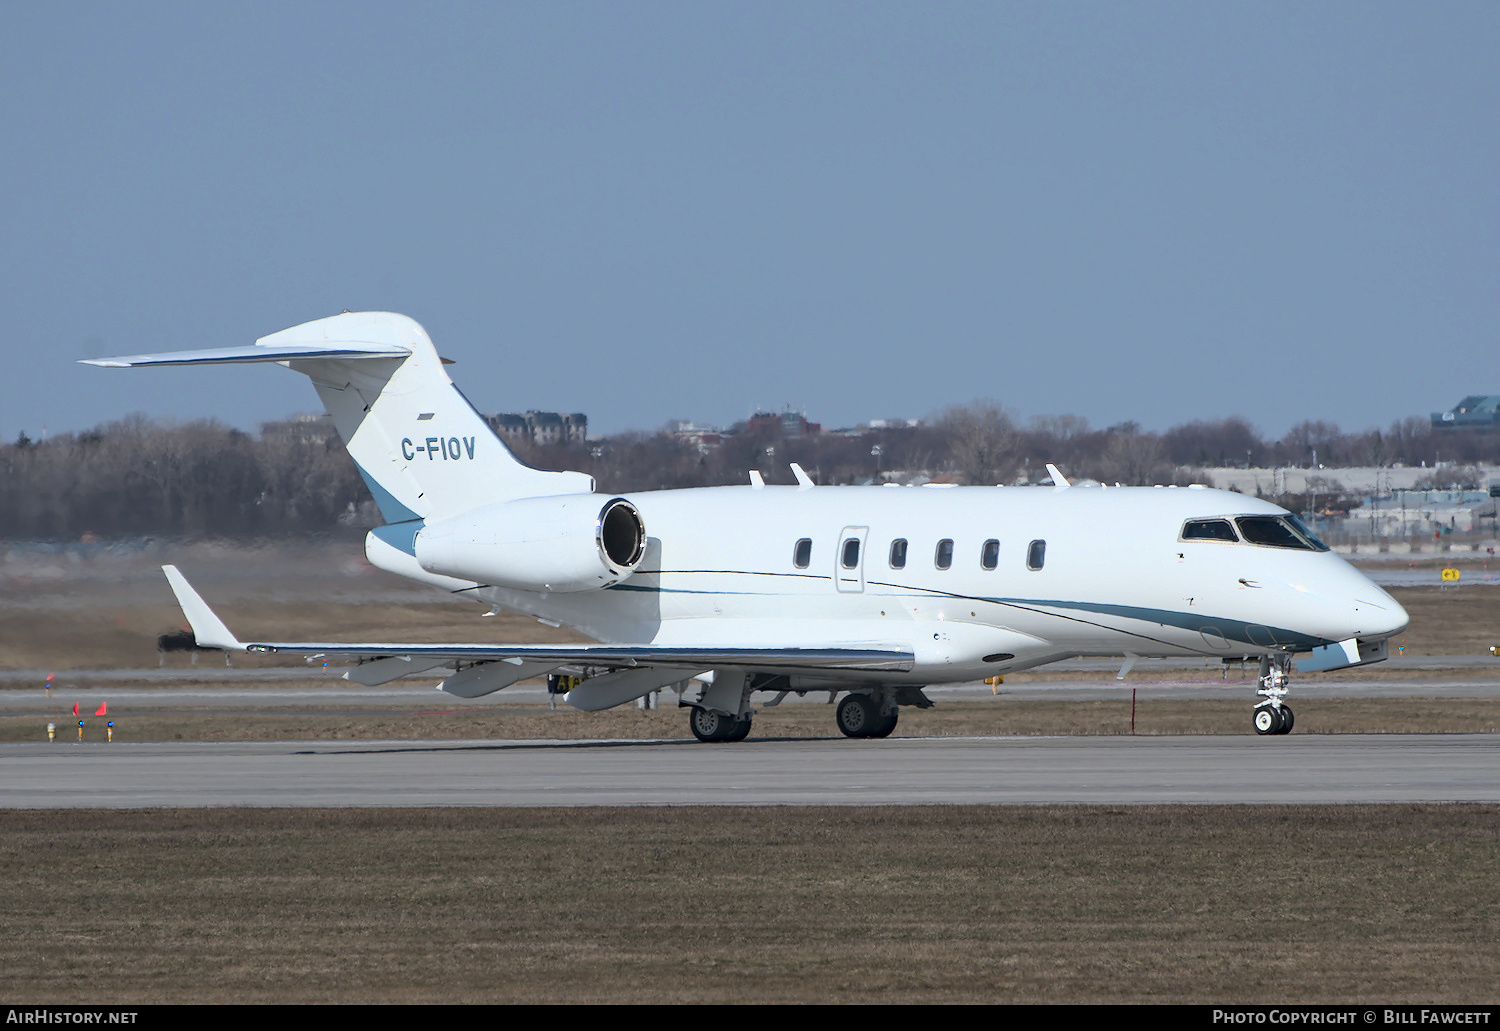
(1478, 411)
(301, 429)
(787, 424)
(704, 438)
(540, 427)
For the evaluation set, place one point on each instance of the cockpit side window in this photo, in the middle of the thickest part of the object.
(1208, 530)
(1272, 532)
(1307, 534)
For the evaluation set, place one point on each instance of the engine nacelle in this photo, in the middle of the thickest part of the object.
(548, 545)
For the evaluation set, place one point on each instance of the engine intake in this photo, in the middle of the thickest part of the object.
(557, 544)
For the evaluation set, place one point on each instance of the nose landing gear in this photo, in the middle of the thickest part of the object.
(1274, 716)
(1270, 720)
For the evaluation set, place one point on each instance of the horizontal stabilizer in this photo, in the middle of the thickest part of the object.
(252, 353)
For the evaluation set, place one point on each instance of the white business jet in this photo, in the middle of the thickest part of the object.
(868, 592)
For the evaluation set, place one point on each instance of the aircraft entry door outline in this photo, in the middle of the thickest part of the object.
(850, 579)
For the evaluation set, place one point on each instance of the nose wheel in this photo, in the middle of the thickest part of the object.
(1274, 716)
(1269, 719)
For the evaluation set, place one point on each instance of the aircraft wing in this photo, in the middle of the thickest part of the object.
(211, 632)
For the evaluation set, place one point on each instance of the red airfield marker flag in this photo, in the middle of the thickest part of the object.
(75, 708)
(101, 711)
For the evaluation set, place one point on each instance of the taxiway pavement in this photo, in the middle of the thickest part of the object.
(1302, 768)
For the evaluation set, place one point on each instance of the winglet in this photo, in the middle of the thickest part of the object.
(1058, 479)
(804, 481)
(208, 629)
(756, 479)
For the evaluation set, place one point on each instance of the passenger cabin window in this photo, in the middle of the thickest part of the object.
(944, 557)
(1036, 555)
(802, 553)
(1209, 530)
(898, 553)
(851, 553)
(989, 555)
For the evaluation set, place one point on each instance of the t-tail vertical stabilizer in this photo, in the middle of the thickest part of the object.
(420, 446)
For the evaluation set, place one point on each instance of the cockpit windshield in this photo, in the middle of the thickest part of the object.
(1267, 531)
(1279, 532)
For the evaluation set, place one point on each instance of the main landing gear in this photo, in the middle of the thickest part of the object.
(1274, 716)
(866, 715)
(712, 725)
(722, 711)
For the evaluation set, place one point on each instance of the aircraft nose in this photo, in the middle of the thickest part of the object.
(1372, 614)
(1385, 618)
(1376, 615)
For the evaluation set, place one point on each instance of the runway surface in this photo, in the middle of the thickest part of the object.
(1105, 770)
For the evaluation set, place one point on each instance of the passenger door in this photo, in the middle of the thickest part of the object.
(849, 560)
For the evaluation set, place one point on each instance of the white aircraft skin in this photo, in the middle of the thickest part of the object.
(709, 582)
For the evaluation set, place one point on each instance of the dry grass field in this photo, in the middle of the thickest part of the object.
(1330, 904)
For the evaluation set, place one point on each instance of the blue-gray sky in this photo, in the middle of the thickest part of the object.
(642, 211)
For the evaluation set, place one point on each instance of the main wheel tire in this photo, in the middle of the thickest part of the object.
(708, 725)
(1287, 719)
(856, 715)
(741, 729)
(1266, 721)
(884, 724)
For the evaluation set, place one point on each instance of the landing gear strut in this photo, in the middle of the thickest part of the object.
(1274, 716)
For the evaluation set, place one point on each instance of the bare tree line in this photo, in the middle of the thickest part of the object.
(140, 476)
(981, 443)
